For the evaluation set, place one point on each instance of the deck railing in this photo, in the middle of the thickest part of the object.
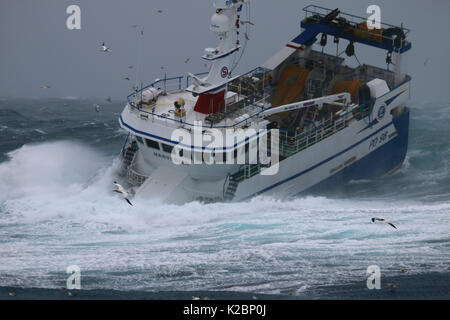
(291, 144)
(175, 84)
(316, 13)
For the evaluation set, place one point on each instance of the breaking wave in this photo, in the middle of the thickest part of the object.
(57, 209)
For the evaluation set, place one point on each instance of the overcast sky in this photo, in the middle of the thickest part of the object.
(37, 48)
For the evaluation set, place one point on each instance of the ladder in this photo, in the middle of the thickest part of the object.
(309, 117)
(231, 190)
(128, 156)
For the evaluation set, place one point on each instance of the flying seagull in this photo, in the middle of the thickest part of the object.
(134, 25)
(108, 99)
(122, 191)
(96, 107)
(126, 78)
(159, 11)
(426, 62)
(44, 86)
(105, 48)
(130, 67)
(187, 60)
(384, 220)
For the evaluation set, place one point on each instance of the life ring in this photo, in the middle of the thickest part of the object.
(381, 111)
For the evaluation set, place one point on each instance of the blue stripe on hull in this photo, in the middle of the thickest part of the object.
(374, 165)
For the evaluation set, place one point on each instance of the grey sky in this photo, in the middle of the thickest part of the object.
(37, 48)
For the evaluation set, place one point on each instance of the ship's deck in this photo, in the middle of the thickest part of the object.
(252, 93)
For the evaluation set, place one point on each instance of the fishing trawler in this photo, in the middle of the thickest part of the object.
(320, 122)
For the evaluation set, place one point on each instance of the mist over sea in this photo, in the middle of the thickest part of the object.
(58, 158)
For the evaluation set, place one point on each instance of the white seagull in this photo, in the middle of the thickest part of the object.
(122, 191)
(105, 48)
(384, 220)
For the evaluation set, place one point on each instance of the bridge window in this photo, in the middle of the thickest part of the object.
(152, 144)
(167, 148)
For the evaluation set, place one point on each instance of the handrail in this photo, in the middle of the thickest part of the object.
(224, 183)
(308, 10)
(390, 43)
(250, 118)
(122, 152)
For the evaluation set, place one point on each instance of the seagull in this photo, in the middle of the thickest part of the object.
(108, 99)
(135, 26)
(187, 60)
(159, 11)
(122, 191)
(247, 21)
(104, 48)
(43, 108)
(246, 36)
(12, 294)
(44, 86)
(195, 298)
(426, 62)
(96, 107)
(130, 67)
(126, 78)
(384, 220)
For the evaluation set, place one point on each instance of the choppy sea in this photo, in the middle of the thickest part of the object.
(58, 158)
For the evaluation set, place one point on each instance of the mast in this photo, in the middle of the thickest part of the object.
(225, 23)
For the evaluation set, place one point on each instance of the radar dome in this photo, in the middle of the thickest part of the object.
(220, 23)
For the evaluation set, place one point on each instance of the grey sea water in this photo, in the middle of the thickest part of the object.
(58, 158)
